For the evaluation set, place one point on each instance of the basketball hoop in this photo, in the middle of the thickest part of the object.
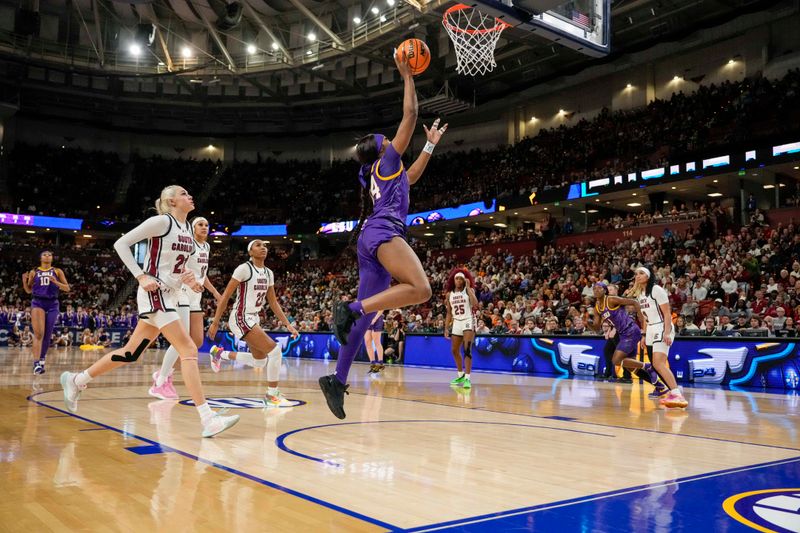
(474, 37)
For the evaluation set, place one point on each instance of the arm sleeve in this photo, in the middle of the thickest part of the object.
(660, 295)
(242, 273)
(390, 163)
(152, 227)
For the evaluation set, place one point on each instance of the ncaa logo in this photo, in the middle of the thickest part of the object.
(241, 403)
(771, 511)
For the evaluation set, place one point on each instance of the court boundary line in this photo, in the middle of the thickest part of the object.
(230, 470)
(599, 496)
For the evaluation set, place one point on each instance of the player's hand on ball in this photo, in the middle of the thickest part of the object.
(435, 133)
(402, 64)
(148, 283)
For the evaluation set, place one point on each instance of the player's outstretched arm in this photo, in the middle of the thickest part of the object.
(410, 108)
(275, 305)
(434, 135)
(233, 284)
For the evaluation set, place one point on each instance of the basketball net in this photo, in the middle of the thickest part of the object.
(474, 37)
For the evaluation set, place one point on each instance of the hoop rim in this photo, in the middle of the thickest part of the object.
(498, 27)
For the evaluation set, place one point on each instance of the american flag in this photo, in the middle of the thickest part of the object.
(581, 18)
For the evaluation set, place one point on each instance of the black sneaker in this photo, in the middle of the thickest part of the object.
(343, 320)
(38, 368)
(372, 369)
(334, 393)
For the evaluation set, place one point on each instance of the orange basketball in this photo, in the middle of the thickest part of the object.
(418, 54)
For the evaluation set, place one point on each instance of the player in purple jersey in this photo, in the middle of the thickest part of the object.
(383, 252)
(44, 283)
(612, 308)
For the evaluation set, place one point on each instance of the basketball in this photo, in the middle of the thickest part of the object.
(418, 54)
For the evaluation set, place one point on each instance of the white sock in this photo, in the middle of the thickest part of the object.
(272, 391)
(167, 365)
(466, 376)
(460, 374)
(83, 379)
(205, 412)
(225, 355)
(274, 363)
(676, 390)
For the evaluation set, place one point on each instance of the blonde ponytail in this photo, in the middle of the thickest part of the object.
(162, 203)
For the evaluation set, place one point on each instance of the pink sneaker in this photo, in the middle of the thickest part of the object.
(674, 399)
(215, 358)
(164, 392)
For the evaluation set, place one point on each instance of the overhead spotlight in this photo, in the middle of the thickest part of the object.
(251, 49)
(634, 204)
(308, 52)
(275, 45)
(731, 61)
(383, 18)
(375, 10)
(561, 111)
(312, 36)
(357, 20)
(628, 86)
(135, 49)
(390, 2)
(186, 52)
(533, 119)
(318, 66)
(676, 78)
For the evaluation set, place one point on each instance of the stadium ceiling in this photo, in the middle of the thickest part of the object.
(261, 66)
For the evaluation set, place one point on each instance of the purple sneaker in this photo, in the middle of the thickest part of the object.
(659, 391)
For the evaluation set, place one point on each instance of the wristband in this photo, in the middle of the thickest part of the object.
(429, 146)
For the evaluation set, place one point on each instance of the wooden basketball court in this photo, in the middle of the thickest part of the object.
(515, 452)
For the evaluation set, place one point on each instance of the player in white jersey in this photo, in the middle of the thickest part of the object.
(254, 285)
(169, 245)
(460, 302)
(660, 333)
(189, 309)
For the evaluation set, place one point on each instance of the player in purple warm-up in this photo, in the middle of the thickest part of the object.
(612, 308)
(383, 252)
(44, 283)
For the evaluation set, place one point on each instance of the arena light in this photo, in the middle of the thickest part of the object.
(714, 194)
(357, 20)
(312, 36)
(677, 78)
(731, 61)
(297, 241)
(251, 49)
(390, 2)
(428, 234)
(500, 225)
(275, 45)
(135, 49)
(186, 52)
(383, 18)
(634, 204)
(375, 10)
(29, 231)
(629, 86)
(533, 119)
(769, 186)
(87, 236)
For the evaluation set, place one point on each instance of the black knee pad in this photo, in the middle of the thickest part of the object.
(468, 350)
(132, 357)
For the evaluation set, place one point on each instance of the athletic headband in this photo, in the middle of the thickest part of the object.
(601, 284)
(250, 245)
(460, 275)
(197, 220)
(644, 271)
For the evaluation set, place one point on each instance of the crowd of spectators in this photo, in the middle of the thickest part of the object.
(57, 180)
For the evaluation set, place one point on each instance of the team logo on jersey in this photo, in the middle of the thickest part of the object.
(235, 402)
(771, 511)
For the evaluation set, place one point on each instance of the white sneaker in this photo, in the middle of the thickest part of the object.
(218, 424)
(71, 391)
(277, 400)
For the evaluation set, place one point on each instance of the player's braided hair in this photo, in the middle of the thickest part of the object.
(367, 151)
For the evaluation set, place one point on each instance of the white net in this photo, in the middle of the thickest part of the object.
(474, 37)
